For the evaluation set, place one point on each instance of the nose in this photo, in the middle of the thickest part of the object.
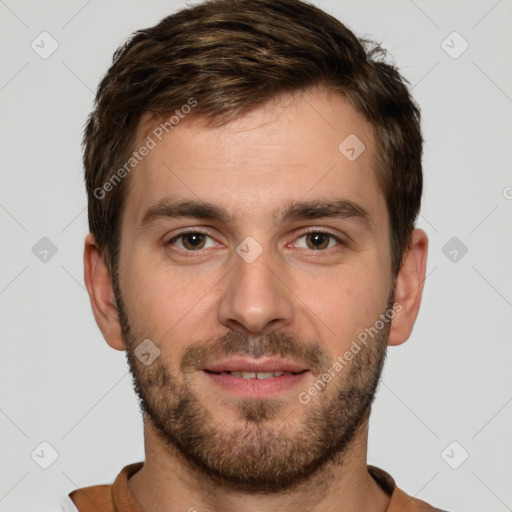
(255, 298)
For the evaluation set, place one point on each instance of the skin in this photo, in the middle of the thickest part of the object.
(292, 299)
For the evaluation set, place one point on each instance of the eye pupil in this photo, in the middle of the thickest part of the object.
(193, 240)
(319, 238)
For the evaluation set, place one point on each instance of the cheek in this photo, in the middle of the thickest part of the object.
(163, 301)
(346, 302)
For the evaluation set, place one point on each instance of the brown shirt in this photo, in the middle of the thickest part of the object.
(117, 497)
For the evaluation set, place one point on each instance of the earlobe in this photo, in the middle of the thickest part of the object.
(99, 286)
(409, 288)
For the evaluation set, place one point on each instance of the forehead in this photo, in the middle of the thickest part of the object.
(304, 145)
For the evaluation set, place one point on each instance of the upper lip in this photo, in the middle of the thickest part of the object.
(244, 364)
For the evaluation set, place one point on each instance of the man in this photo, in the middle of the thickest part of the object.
(254, 175)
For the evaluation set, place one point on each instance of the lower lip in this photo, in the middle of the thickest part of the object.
(256, 388)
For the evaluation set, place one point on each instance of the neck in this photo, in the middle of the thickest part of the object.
(168, 482)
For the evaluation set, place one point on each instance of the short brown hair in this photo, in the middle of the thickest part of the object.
(232, 56)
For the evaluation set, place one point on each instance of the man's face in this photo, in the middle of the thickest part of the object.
(265, 283)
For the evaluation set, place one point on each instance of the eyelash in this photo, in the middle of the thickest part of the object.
(169, 243)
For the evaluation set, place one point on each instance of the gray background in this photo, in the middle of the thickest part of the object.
(451, 382)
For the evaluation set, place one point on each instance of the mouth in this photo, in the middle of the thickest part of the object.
(248, 365)
(256, 375)
(251, 378)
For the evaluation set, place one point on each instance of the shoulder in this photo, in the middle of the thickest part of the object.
(104, 497)
(406, 503)
(400, 500)
(92, 499)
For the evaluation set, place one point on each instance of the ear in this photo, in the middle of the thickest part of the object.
(99, 285)
(409, 288)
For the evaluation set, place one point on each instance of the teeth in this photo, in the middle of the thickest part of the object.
(255, 375)
(265, 375)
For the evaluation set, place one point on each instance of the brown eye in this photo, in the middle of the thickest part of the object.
(317, 240)
(191, 241)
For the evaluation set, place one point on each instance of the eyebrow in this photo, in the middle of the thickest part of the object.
(339, 208)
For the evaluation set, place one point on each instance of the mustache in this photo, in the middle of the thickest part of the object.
(281, 344)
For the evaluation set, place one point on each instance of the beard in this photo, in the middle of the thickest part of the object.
(261, 453)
